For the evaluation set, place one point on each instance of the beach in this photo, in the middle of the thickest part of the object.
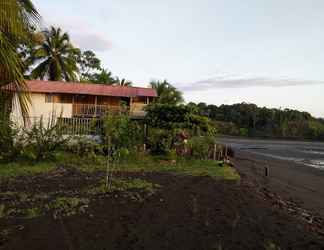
(295, 170)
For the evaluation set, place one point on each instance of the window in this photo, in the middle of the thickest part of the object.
(49, 98)
(62, 98)
(65, 98)
(141, 99)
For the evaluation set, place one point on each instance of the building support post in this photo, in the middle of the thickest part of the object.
(96, 103)
(130, 104)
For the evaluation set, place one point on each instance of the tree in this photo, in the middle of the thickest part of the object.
(27, 52)
(103, 77)
(16, 21)
(170, 117)
(89, 65)
(56, 58)
(167, 94)
(122, 82)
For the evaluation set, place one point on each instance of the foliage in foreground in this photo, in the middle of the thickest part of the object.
(42, 140)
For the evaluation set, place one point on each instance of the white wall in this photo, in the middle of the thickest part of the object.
(39, 108)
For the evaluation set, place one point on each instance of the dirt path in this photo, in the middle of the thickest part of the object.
(185, 213)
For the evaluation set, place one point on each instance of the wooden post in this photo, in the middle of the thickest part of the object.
(130, 104)
(266, 169)
(215, 151)
(96, 103)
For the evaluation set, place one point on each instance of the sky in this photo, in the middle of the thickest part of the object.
(216, 51)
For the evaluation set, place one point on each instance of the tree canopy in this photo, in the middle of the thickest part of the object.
(249, 119)
(55, 57)
(17, 18)
(167, 93)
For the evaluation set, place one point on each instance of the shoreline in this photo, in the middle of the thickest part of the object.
(291, 181)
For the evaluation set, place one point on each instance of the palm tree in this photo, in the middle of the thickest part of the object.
(104, 77)
(167, 94)
(56, 57)
(122, 82)
(17, 17)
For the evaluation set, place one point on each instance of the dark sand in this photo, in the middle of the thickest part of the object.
(290, 173)
(187, 212)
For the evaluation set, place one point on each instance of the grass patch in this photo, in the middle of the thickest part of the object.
(181, 166)
(68, 206)
(119, 185)
(132, 164)
(16, 169)
(148, 163)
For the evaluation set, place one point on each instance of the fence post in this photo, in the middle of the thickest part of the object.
(266, 169)
(215, 151)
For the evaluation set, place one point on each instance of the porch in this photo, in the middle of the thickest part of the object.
(97, 111)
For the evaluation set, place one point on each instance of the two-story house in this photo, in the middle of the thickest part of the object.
(79, 103)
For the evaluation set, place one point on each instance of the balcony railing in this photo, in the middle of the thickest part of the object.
(92, 110)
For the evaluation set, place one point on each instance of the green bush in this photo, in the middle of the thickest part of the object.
(160, 141)
(41, 141)
(170, 117)
(84, 147)
(244, 132)
(120, 132)
(7, 136)
(201, 146)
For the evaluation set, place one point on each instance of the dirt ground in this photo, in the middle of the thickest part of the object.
(185, 212)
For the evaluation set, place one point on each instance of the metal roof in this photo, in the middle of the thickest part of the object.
(56, 87)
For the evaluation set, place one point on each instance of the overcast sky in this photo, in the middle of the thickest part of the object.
(269, 52)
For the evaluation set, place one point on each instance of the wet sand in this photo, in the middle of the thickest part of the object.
(291, 172)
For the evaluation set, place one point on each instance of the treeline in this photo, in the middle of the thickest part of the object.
(247, 119)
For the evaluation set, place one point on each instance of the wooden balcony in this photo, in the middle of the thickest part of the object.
(92, 110)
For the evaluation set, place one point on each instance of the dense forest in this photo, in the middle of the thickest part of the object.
(247, 119)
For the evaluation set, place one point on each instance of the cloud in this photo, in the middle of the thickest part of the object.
(222, 82)
(91, 41)
(82, 34)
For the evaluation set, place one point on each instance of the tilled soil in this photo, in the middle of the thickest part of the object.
(186, 212)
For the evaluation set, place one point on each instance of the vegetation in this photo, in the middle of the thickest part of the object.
(122, 185)
(169, 117)
(17, 20)
(51, 55)
(167, 93)
(250, 120)
(103, 77)
(88, 63)
(22, 167)
(55, 57)
(134, 163)
(41, 140)
(7, 134)
(122, 82)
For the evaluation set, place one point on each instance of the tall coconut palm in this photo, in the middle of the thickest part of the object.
(167, 93)
(17, 17)
(56, 58)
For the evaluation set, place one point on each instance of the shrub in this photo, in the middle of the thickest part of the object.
(201, 147)
(170, 117)
(7, 136)
(84, 147)
(41, 141)
(119, 132)
(160, 141)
